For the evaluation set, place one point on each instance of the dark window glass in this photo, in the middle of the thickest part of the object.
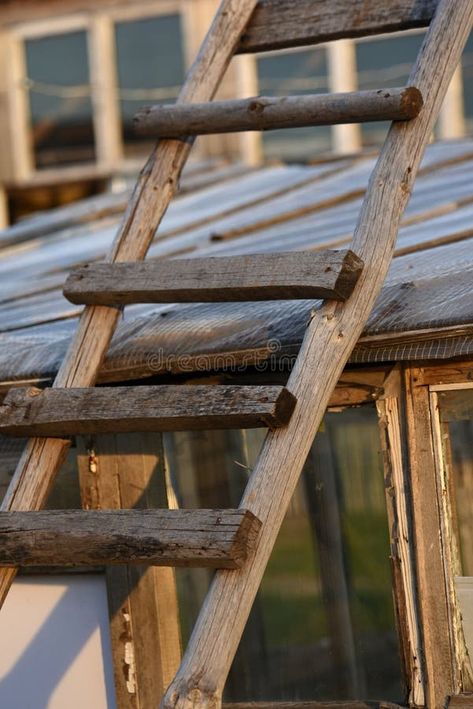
(467, 63)
(58, 82)
(456, 425)
(384, 63)
(150, 64)
(456, 420)
(65, 493)
(301, 72)
(322, 626)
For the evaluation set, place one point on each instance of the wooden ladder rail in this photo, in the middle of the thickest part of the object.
(42, 457)
(329, 340)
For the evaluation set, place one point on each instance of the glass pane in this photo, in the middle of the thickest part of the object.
(65, 493)
(384, 63)
(301, 72)
(456, 417)
(151, 69)
(322, 626)
(60, 99)
(467, 65)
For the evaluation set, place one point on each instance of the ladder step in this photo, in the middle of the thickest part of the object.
(276, 24)
(270, 113)
(210, 538)
(65, 412)
(294, 275)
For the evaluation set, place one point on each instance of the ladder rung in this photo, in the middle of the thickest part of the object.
(284, 23)
(65, 412)
(294, 275)
(216, 538)
(263, 113)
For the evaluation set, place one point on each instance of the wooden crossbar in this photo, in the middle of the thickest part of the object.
(67, 412)
(268, 113)
(294, 275)
(204, 538)
(277, 24)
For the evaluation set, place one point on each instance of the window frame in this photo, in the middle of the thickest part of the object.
(99, 27)
(446, 662)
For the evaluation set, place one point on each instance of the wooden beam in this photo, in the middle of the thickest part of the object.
(350, 704)
(460, 700)
(65, 412)
(329, 340)
(343, 76)
(432, 592)
(285, 23)
(452, 123)
(399, 508)
(294, 275)
(202, 538)
(268, 113)
(105, 95)
(155, 188)
(117, 471)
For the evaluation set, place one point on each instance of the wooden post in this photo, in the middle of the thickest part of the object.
(22, 160)
(124, 472)
(342, 76)
(4, 212)
(432, 593)
(103, 78)
(154, 190)
(451, 122)
(246, 84)
(399, 508)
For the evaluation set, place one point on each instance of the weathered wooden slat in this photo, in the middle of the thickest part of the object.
(215, 538)
(349, 704)
(319, 274)
(268, 113)
(329, 339)
(461, 700)
(285, 23)
(66, 412)
(154, 190)
(128, 472)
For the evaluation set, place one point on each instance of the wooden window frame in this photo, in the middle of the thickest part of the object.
(447, 669)
(100, 31)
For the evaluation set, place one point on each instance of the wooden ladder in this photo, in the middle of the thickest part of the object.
(237, 542)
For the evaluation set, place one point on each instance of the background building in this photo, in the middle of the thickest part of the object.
(73, 73)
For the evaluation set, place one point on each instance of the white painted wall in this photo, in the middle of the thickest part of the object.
(55, 644)
(464, 588)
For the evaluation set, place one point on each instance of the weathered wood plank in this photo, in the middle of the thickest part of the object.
(213, 538)
(66, 412)
(293, 275)
(268, 113)
(461, 700)
(329, 340)
(285, 23)
(398, 502)
(154, 190)
(128, 472)
(350, 704)
(433, 598)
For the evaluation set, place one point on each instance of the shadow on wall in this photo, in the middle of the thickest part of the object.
(56, 644)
